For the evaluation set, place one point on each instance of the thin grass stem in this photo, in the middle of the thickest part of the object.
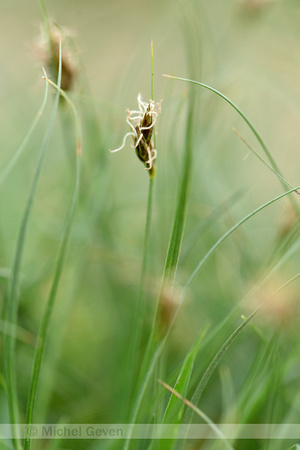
(263, 161)
(152, 73)
(44, 327)
(200, 413)
(11, 163)
(173, 252)
(45, 17)
(11, 310)
(140, 307)
(153, 360)
(250, 125)
(214, 363)
(229, 232)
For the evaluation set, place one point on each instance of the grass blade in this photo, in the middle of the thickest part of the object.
(214, 363)
(200, 413)
(175, 408)
(262, 160)
(10, 164)
(157, 353)
(142, 392)
(140, 306)
(229, 232)
(252, 128)
(41, 340)
(11, 310)
(152, 354)
(180, 213)
(182, 381)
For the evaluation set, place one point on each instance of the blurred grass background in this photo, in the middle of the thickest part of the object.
(248, 50)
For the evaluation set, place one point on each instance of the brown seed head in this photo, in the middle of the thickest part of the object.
(47, 50)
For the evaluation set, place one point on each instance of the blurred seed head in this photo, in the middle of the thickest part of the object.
(255, 6)
(47, 51)
(169, 301)
(280, 309)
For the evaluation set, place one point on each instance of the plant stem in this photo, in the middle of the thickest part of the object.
(140, 306)
(229, 232)
(10, 164)
(214, 363)
(42, 336)
(11, 312)
(152, 361)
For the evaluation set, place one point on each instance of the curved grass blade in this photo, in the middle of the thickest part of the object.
(262, 160)
(258, 137)
(10, 164)
(200, 413)
(44, 327)
(157, 353)
(11, 310)
(229, 232)
(214, 363)
(252, 128)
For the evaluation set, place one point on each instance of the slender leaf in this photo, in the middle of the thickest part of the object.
(44, 327)
(200, 413)
(11, 310)
(252, 128)
(175, 408)
(10, 164)
(214, 363)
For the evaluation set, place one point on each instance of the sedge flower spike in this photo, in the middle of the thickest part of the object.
(141, 123)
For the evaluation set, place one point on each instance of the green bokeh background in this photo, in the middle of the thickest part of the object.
(252, 54)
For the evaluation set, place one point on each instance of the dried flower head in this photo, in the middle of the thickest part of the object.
(47, 50)
(141, 123)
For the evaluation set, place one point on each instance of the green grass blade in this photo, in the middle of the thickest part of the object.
(278, 175)
(154, 359)
(142, 392)
(156, 355)
(44, 14)
(172, 412)
(10, 164)
(229, 232)
(229, 402)
(145, 384)
(175, 241)
(214, 363)
(152, 73)
(200, 413)
(140, 307)
(180, 213)
(175, 408)
(250, 125)
(152, 353)
(11, 310)
(44, 327)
